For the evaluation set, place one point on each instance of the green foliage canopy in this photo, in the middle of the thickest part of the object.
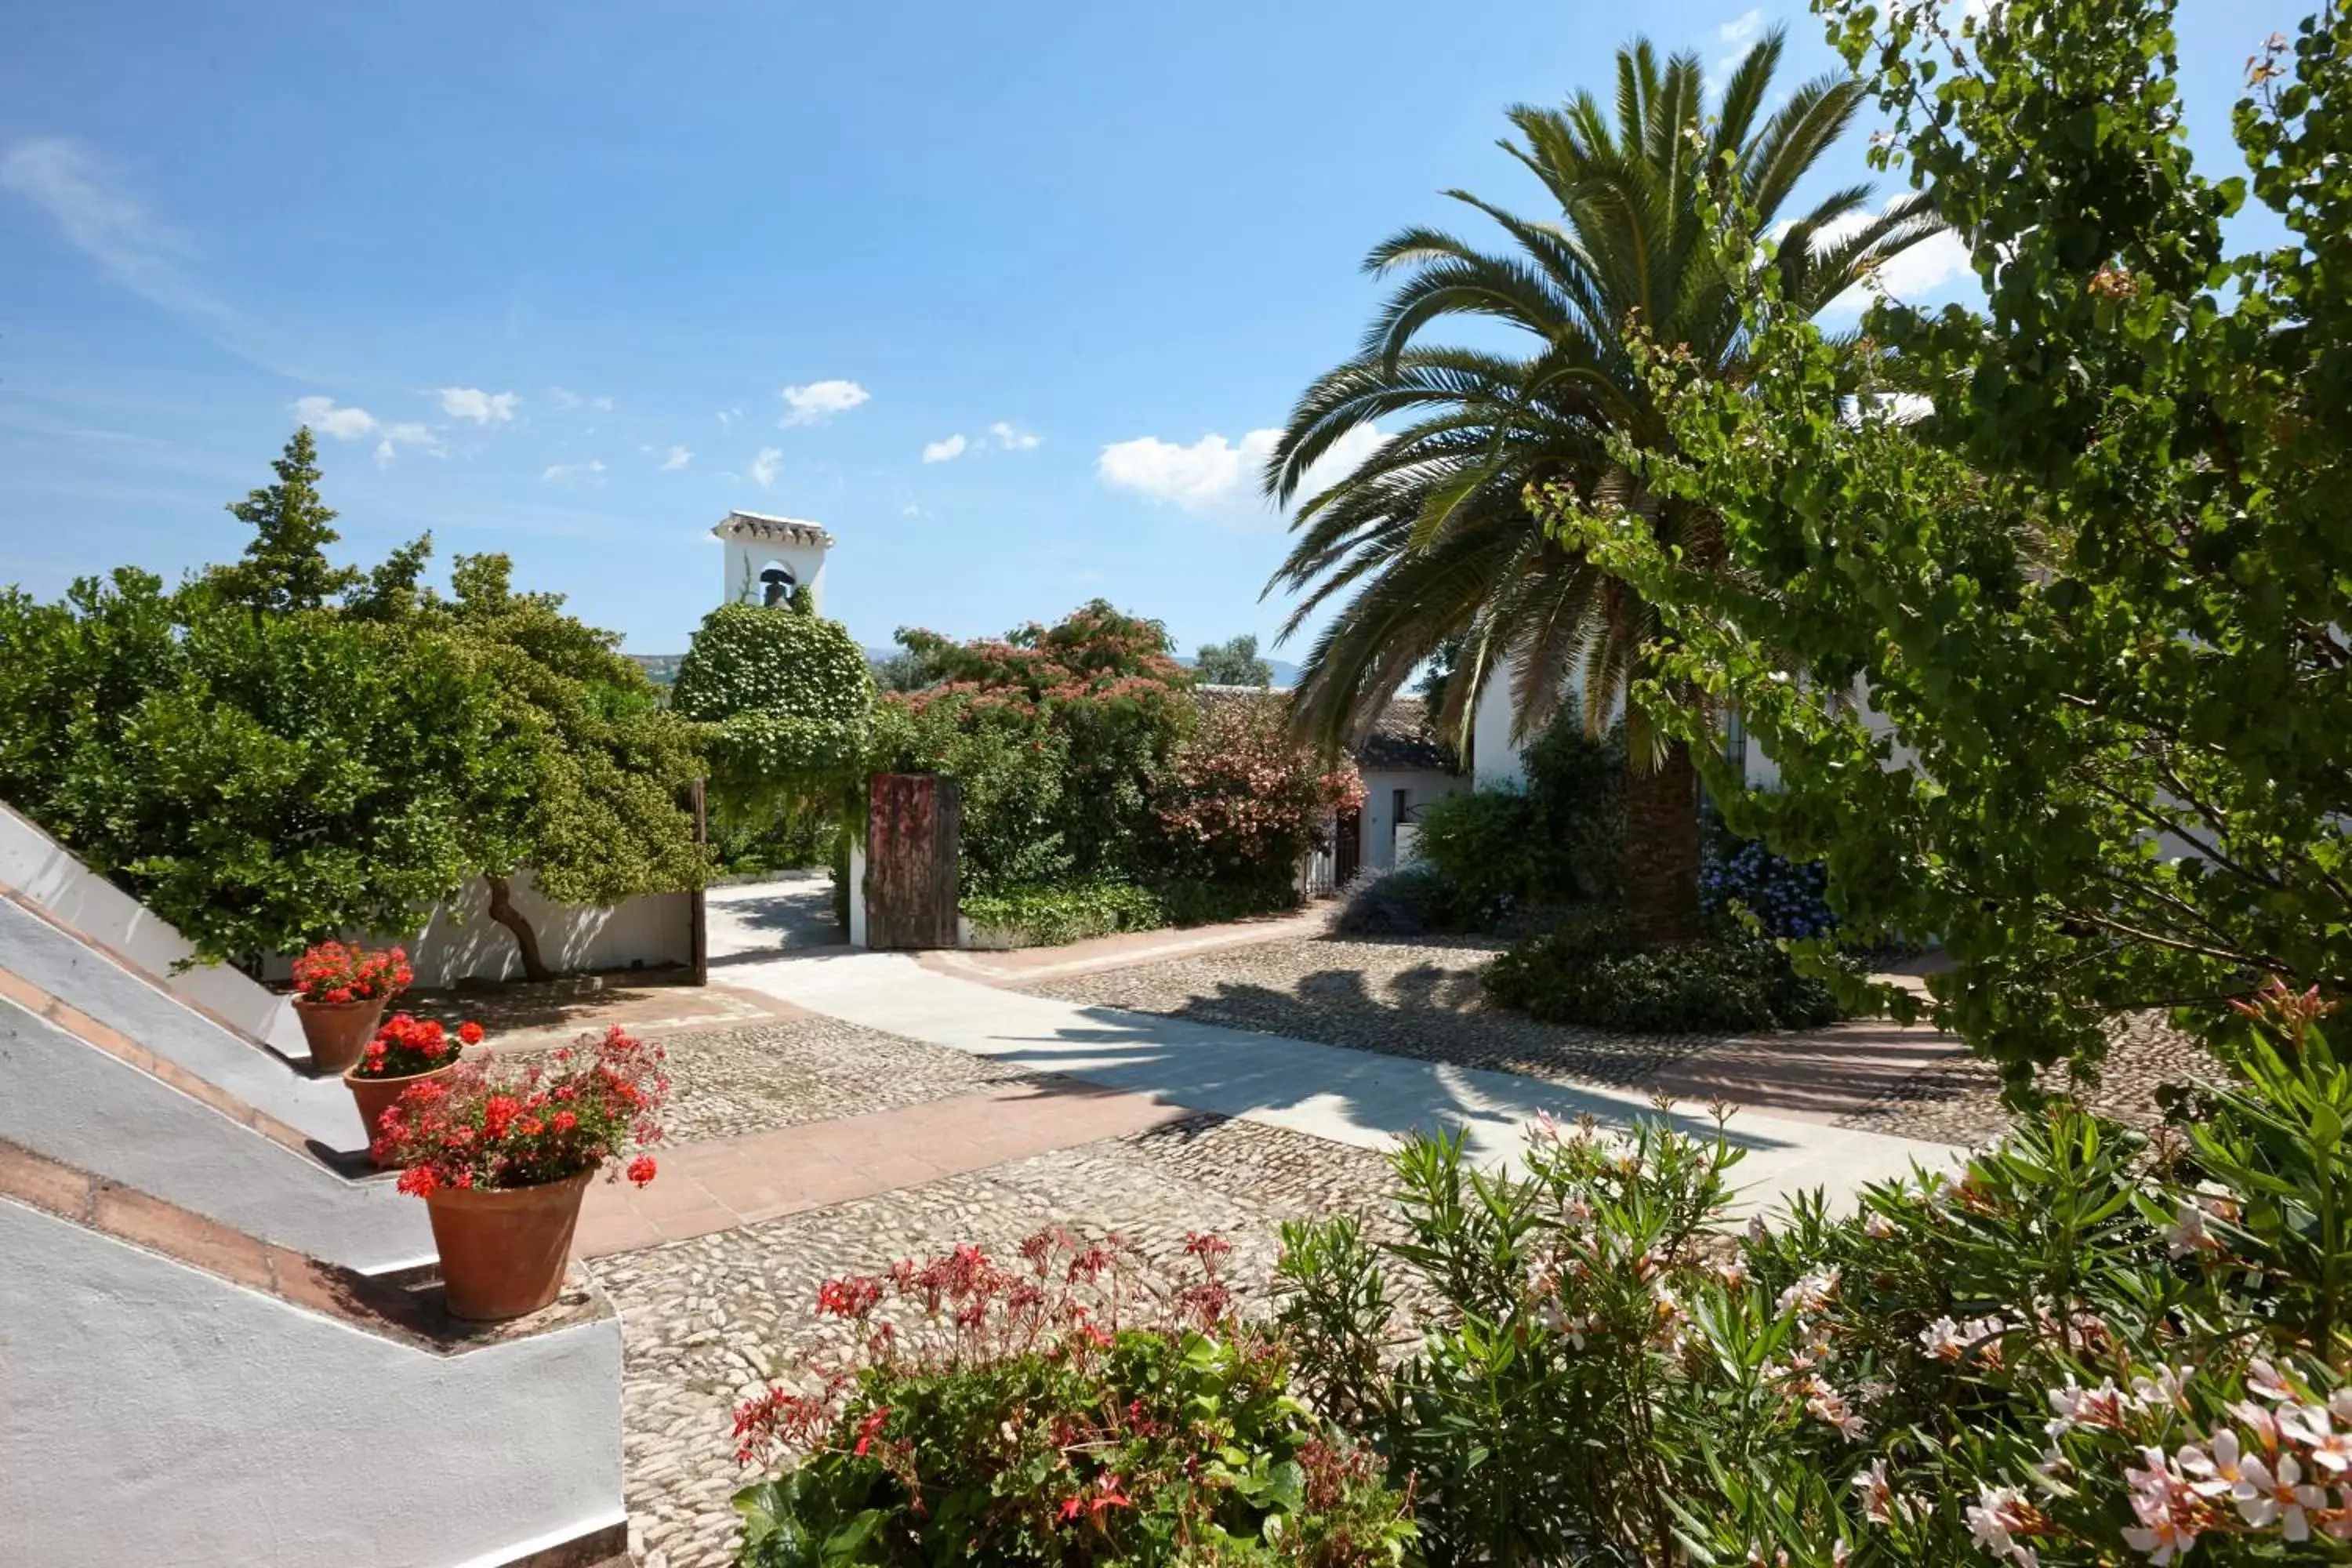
(2095, 592)
(788, 692)
(259, 780)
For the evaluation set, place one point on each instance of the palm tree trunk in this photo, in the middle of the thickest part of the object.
(1662, 849)
(502, 909)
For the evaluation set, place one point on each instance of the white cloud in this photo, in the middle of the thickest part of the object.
(1911, 276)
(566, 399)
(767, 465)
(587, 471)
(1743, 28)
(100, 217)
(1012, 440)
(481, 408)
(1217, 477)
(821, 400)
(675, 457)
(727, 417)
(911, 510)
(945, 451)
(323, 414)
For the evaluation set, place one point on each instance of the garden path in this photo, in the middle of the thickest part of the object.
(1364, 1100)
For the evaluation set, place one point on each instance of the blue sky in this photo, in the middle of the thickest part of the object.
(998, 294)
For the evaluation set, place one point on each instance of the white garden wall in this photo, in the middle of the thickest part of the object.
(46, 872)
(123, 1375)
(78, 1105)
(462, 942)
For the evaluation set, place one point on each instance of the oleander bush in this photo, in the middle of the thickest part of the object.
(1589, 971)
(2087, 1346)
(1057, 1409)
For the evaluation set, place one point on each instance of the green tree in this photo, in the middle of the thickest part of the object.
(259, 780)
(285, 566)
(1428, 542)
(603, 767)
(2092, 598)
(1234, 663)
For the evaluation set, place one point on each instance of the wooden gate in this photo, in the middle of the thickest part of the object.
(914, 827)
(1348, 846)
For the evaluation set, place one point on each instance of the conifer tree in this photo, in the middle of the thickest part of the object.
(285, 567)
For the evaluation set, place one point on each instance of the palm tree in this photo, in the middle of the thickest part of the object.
(1430, 537)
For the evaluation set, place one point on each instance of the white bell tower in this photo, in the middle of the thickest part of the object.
(768, 557)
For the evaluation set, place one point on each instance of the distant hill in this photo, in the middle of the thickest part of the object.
(661, 669)
(1285, 672)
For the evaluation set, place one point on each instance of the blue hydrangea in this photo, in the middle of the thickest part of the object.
(1790, 899)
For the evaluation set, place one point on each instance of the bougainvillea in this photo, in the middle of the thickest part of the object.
(1246, 800)
(482, 1126)
(407, 1045)
(331, 973)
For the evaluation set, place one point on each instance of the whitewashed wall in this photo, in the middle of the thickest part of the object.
(48, 873)
(151, 1413)
(1422, 786)
(84, 1108)
(462, 942)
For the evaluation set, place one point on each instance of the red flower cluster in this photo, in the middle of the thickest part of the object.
(1245, 799)
(407, 1045)
(333, 972)
(523, 1127)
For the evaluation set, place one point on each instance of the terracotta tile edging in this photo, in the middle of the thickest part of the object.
(112, 1042)
(372, 1305)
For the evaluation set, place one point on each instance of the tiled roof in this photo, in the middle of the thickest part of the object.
(773, 530)
(1401, 738)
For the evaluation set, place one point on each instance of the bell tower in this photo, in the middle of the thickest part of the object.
(769, 557)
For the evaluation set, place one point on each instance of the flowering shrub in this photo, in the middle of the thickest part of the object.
(523, 1126)
(407, 1045)
(2087, 1347)
(332, 973)
(1095, 705)
(1055, 1410)
(1787, 897)
(1245, 800)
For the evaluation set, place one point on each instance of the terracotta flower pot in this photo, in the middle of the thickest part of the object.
(503, 1250)
(336, 1032)
(376, 1095)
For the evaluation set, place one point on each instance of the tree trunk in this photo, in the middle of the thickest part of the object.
(1661, 851)
(502, 911)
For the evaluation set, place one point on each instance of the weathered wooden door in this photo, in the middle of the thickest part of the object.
(914, 829)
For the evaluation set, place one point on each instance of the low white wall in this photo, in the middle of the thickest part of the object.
(46, 872)
(81, 1107)
(151, 1413)
(462, 942)
(88, 979)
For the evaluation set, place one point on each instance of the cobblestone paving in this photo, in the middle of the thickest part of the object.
(727, 1082)
(1960, 1102)
(1406, 998)
(711, 1320)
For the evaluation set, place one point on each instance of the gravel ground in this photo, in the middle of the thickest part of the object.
(1406, 998)
(1961, 1103)
(727, 1082)
(708, 1322)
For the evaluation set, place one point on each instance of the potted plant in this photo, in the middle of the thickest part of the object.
(502, 1156)
(405, 1052)
(340, 992)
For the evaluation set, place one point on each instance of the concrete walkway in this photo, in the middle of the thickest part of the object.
(1362, 1098)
